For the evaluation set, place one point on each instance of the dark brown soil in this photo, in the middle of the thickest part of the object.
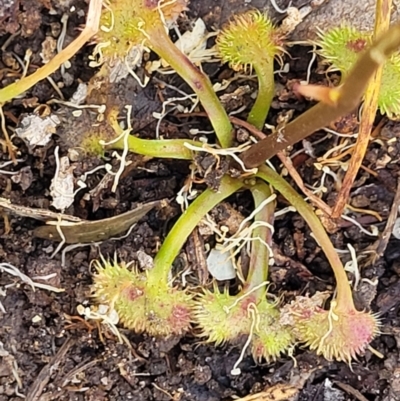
(48, 352)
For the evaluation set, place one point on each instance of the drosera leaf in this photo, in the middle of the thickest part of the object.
(223, 318)
(342, 332)
(159, 310)
(128, 23)
(342, 46)
(250, 41)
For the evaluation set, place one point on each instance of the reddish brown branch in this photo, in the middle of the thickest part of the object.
(322, 114)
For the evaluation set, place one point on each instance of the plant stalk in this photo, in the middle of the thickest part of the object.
(344, 294)
(160, 43)
(264, 69)
(161, 148)
(186, 223)
(259, 257)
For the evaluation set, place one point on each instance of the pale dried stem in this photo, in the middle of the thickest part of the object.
(8, 144)
(368, 115)
(91, 28)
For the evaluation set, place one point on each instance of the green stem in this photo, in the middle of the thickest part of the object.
(344, 295)
(181, 230)
(265, 72)
(160, 43)
(259, 257)
(161, 148)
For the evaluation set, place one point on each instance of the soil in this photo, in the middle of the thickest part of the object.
(49, 352)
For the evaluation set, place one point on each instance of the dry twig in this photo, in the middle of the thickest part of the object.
(91, 28)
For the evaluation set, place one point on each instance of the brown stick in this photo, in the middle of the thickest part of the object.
(322, 114)
(287, 162)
